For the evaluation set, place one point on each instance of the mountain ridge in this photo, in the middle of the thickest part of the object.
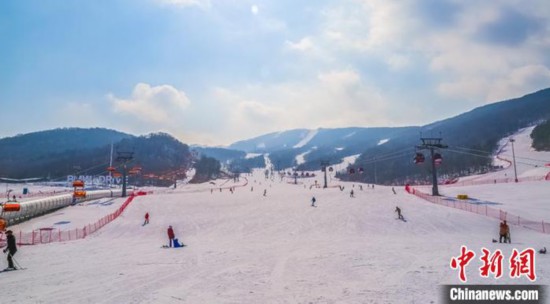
(388, 150)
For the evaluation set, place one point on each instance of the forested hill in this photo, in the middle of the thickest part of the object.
(541, 137)
(58, 140)
(56, 153)
(472, 137)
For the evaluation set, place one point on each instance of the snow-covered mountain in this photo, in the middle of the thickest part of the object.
(390, 150)
(304, 139)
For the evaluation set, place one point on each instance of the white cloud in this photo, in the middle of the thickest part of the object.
(520, 81)
(82, 114)
(356, 66)
(161, 105)
(185, 3)
(305, 44)
(398, 61)
(254, 9)
(256, 112)
(339, 79)
(463, 63)
(245, 111)
(336, 98)
(367, 25)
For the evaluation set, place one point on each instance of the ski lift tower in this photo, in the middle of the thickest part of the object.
(324, 165)
(433, 144)
(124, 158)
(514, 157)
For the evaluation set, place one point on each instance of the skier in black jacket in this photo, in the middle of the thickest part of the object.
(11, 249)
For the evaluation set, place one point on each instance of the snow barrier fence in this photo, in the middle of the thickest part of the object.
(50, 235)
(540, 226)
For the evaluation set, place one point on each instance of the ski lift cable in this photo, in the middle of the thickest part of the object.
(468, 153)
(401, 155)
(470, 149)
(527, 164)
(484, 156)
(58, 178)
(388, 157)
(93, 167)
(381, 156)
(532, 159)
(517, 157)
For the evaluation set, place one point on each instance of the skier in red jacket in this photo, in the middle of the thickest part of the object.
(146, 219)
(171, 235)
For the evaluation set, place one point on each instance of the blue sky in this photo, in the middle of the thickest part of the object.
(217, 71)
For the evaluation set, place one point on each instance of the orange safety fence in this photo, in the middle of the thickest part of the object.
(497, 181)
(500, 214)
(50, 235)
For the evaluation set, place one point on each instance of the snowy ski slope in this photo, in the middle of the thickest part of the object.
(247, 248)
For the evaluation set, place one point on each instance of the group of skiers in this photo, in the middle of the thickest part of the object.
(504, 233)
(172, 240)
(11, 248)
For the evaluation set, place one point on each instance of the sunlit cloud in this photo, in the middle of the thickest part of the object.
(472, 49)
(310, 104)
(161, 105)
(254, 9)
(185, 3)
(256, 67)
(303, 45)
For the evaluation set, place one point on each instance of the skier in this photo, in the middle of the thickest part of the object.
(177, 244)
(393, 189)
(146, 219)
(11, 249)
(399, 215)
(313, 200)
(543, 251)
(171, 235)
(265, 192)
(504, 232)
(351, 193)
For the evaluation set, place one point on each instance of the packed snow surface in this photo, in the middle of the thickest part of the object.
(244, 247)
(350, 160)
(383, 141)
(300, 158)
(350, 134)
(307, 138)
(249, 248)
(252, 155)
(529, 163)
